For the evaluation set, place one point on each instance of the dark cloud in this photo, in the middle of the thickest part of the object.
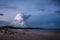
(58, 11)
(56, 2)
(41, 9)
(26, 17)
(1, 14)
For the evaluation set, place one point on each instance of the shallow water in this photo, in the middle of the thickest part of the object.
(42, 30)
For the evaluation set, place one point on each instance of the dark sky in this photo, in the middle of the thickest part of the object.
(45, 13)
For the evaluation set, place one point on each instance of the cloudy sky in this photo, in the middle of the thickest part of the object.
(44, 13)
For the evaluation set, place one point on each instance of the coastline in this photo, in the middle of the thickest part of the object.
(21, 35)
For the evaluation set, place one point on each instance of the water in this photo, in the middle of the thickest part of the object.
(42, 30)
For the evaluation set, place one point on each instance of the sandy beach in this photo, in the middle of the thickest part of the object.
(21, 35)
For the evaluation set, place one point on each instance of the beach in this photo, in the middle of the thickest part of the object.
(21, 35)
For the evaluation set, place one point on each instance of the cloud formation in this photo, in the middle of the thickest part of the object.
(1, 14)
(56, 2)
(58, 11)
(42, 11)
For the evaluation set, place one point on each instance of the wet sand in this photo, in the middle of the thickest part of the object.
(21, 35)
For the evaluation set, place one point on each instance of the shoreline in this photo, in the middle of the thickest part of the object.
(22, 35)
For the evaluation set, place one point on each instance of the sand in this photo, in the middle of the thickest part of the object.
(21, 35)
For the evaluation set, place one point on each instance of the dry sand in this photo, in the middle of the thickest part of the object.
(20, 35)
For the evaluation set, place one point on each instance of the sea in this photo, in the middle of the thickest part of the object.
(42, 30)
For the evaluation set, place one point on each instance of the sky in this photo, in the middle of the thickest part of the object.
(44, 13)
